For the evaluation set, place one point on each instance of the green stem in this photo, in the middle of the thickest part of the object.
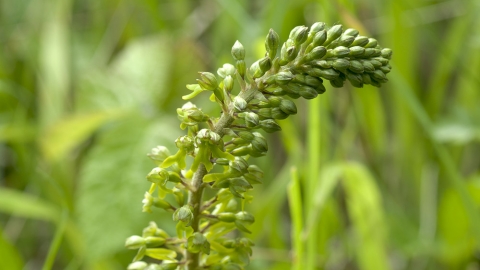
(195, 195)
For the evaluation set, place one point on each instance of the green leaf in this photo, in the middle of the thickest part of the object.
(112, 182)
(24, 205)
(68, 133)
(365, 210)
(11, 258)
(161, 253)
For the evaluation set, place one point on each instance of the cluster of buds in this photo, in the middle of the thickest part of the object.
(216, 149)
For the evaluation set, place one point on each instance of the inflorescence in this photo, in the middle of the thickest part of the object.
(219, 148)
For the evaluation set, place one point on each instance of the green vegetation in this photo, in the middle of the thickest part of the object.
(359, 179)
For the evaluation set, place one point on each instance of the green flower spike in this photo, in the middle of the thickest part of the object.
(219, 147)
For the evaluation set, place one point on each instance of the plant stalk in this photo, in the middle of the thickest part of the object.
(195, 195)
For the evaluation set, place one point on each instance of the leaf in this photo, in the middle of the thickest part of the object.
(161, 253)
(68, 133)
(112, 183)
(11, 258)
(455, 227)
(24, 205)
(365, 210)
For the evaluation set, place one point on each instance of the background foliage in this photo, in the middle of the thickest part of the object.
(361, 179)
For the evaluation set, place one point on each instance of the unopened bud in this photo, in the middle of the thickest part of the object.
(283, 77)
(319, 38)
(333, 33)
(317, 53)
(184, 214)
(299, 35)
(135, 242)
(387, 53)
(356, 66)
(356, 51)
(239, 104)
(341, 64)
(228, 83)
(241, 68)
(351, 32)
(269, 125)
(208, 81)
(372, 43)
(360, 41)
(265, 64)
(288, 106)
(316, 27)
(340, 51)
(238, 52)
(271, 43)
(251, 119)
(245, 217)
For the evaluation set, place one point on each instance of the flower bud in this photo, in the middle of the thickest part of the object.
(264, 113)
(265, 64)
(372, 43)
(323, 63)
(308, 92)
(259, 143)
(375, 63)
(168, 266)
(288, 106)
(340, 51)
(239, 166)
(241, 68)
(356, 51)
(341, 64)
(246, 135)
(254, 174)
(333, 33)
(198, 243)
(226, 217)
(159, 154)
(208, 81)
(360, 41)
(316, 27)
(241, 151)
(317, 53)
(385, 69)
(291, 53)
(356, 66)
(251, 119)
(271, 43)
(222, 161)
(138, 265)
(366, 78)
(329, 74)
(312, 81)
(153, 241)
(158, 176)
(185, 143)
(184, 214)
(269, 125)
(355, 79)
(245, 217)
(337, 83)
(228, 83)
(367, 66)
(379, 76)
(278, 114)
(387, 53)
(343, 40)
(368, 53)
(319, 38)
(382, 60)
(351, 32)
(283, 77)
(299, 35)
(239, 104)
(135, 242)
(238, 52)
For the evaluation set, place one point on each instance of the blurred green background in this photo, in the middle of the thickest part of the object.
(360, 179)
